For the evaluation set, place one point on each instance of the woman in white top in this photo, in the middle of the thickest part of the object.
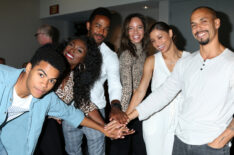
(158, 129)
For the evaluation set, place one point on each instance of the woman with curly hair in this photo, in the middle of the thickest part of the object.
(84, 65)
(85, 61)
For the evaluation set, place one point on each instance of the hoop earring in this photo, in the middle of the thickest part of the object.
(81, 67)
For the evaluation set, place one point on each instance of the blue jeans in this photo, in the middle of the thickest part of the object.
(73, 139)
(180, 148)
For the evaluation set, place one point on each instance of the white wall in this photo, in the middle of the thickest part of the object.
(72, 6)
(121, 13)
(180, 11)
(19, 21)
(66, 28)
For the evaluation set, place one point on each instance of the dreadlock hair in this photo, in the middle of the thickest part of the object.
(85, 78)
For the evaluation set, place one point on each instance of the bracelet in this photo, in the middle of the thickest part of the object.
(116, 105)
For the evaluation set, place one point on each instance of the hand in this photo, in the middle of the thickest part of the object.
(217, 144)
(113, 125)
(118, 115)
(116, 130)
(59, 121)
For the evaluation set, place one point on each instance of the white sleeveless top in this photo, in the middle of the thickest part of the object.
(160, 74)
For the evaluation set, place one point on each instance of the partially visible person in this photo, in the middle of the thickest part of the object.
(132, 57)
(159, 128)
(206, 78)
(24, 65)
(26, 98)
(47, 34)
(2, 60)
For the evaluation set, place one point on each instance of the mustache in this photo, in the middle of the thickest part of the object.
(99, 35)
(200, 32)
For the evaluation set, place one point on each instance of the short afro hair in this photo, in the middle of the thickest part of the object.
(100, 11)
(49, 54)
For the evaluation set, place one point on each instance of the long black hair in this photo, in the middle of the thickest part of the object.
(87, 72)
(85, 77)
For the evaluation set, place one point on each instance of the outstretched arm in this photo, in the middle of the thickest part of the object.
(115, 124)
(140, 92)
(113, 133)
(124, 73)
(224, 138)
(95, 115)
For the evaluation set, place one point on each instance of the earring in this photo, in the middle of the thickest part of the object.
(81, 67)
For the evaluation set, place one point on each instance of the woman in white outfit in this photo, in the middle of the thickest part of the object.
(158, 129)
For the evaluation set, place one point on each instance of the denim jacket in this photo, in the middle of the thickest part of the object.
(20, 135)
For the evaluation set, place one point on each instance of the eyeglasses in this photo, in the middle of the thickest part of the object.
(35, 35)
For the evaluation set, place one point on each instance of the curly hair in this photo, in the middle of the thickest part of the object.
(48, 53)
(85, 78)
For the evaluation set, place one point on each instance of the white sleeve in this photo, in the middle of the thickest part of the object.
(163, 95)
(113, 77)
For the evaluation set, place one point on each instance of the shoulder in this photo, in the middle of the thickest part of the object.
(106, 51)
(185, 53)
(125, 54)
(150, 59)
(51, 97)
(188, 59)
(188, 56)
(149, 62)
(126, 57)
(229, 57)
(229, 54)
(5, 68)
(8, 73)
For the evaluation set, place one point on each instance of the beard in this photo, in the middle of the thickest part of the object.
(204, 42)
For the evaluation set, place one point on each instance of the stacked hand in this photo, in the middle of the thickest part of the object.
(118, 115)
(116, 130)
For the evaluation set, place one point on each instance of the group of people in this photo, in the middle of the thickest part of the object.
(190, 109)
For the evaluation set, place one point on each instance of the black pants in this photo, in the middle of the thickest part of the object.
(130, 145)
(51, 139)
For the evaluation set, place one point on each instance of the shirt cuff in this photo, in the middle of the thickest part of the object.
(141, 113)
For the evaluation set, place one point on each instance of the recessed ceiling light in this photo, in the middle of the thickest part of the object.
(145, 7)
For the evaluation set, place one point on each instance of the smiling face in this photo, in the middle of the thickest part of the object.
(136, 30)
(40, 79)
(99, 28)
(161, 40)
(75, 52)
(204, 26)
